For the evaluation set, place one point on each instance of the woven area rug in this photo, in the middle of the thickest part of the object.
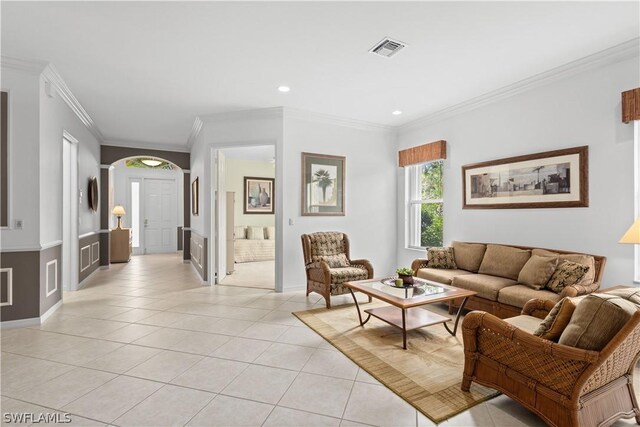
(427, 375)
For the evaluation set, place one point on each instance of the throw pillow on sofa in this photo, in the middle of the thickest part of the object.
(596, 320)
(568, 273)
(583, 259)
(537, 271)
(557, 320)
(468, 256)
(504, 261)
(441, 258)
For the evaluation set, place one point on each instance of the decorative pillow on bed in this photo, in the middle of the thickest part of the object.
(441, 258)
(270, 232)
(255, 233)
(240, 232)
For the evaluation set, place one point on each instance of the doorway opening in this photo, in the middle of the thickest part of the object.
(245, 216)
(151, 192)
(70, 199)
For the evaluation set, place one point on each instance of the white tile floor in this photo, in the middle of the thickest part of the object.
(145, 345)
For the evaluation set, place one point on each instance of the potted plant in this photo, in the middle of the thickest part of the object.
(406, 274)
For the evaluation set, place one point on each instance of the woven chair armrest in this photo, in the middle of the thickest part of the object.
(363, 263)
(577, 290)
(519, 340)
(538, 307)
(321, 265)
(417, 264)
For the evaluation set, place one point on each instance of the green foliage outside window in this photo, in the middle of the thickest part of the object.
(431, 226)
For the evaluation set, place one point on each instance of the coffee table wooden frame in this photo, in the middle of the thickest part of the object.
(410, 316)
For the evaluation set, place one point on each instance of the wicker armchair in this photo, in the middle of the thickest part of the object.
(565, 386)
(328, 264)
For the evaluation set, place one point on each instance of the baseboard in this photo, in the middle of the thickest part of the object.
(83, 283)
(202, 282)
(45, 316)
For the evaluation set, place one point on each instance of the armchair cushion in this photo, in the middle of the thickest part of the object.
(347, 274)
(596, 320)
(524, 322)
(568, 273)
(329, 247)
(518, 295)
(556, 321)
(441, 258)
(440, 275)
(537, 271)
(485, 286)
(468, 256)
(504, 261)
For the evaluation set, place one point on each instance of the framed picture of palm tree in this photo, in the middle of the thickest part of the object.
(323, 184)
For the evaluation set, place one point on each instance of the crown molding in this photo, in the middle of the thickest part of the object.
(195, 131)
(129, 143)
(258, 113)
(31, 66)
(295, 113)
(617, 53)
(52, 76)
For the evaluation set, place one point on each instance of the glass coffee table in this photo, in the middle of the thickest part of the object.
(405, 311)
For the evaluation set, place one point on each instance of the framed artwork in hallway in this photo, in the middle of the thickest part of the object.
(258, 195)
(552, 179)
(323, 183)
(195, 197)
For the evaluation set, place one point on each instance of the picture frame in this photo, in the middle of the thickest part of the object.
(323, 185)
(259, 195)
(93, 194)
(195, 196)
(550, 179)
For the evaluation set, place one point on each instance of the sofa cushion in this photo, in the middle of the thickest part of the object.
(596, 320)
(484, 285)
(329, 247)
(468, 256)
(583, 259)
(537, 271)
(504, 261)
(568, 273)
(441, 258)
(518, 295)
(524, 322)
(347, 274)
(557, 320)
(440, 275)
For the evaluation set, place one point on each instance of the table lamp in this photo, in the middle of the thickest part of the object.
(118, 211)
(633, 234)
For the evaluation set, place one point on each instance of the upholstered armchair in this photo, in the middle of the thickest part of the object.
(328, 264)
(565, 386)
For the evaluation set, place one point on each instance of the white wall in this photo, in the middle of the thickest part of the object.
(24, 191)
(371, 161)
(121, 176)
(56, 116)
(583, 109)
(236, 170)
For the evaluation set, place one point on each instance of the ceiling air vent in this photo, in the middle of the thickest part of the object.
(387, 47)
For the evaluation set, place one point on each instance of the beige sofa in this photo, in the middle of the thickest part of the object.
(492, 271)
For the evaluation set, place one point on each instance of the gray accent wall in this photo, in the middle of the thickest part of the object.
(50, 277)
(179, 239)
(110, 154)
(199, 258)
(90, 254)
(20, 280)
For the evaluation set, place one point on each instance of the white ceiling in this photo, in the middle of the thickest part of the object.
(262, 153)
(144, 70)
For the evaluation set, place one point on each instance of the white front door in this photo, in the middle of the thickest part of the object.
(160, 215)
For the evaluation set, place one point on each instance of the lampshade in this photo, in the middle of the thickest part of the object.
(633, 234)
(118, 210)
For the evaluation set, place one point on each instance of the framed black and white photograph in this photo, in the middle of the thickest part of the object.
(552, 179)
(258, 195)
(323, 184)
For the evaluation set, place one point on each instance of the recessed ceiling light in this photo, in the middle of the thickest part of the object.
(397, 113)
(284, 88)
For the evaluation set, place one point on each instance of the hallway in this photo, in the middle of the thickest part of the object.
(145, 344)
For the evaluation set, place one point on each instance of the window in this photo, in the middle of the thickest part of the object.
(135, 214)
(424, 204)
